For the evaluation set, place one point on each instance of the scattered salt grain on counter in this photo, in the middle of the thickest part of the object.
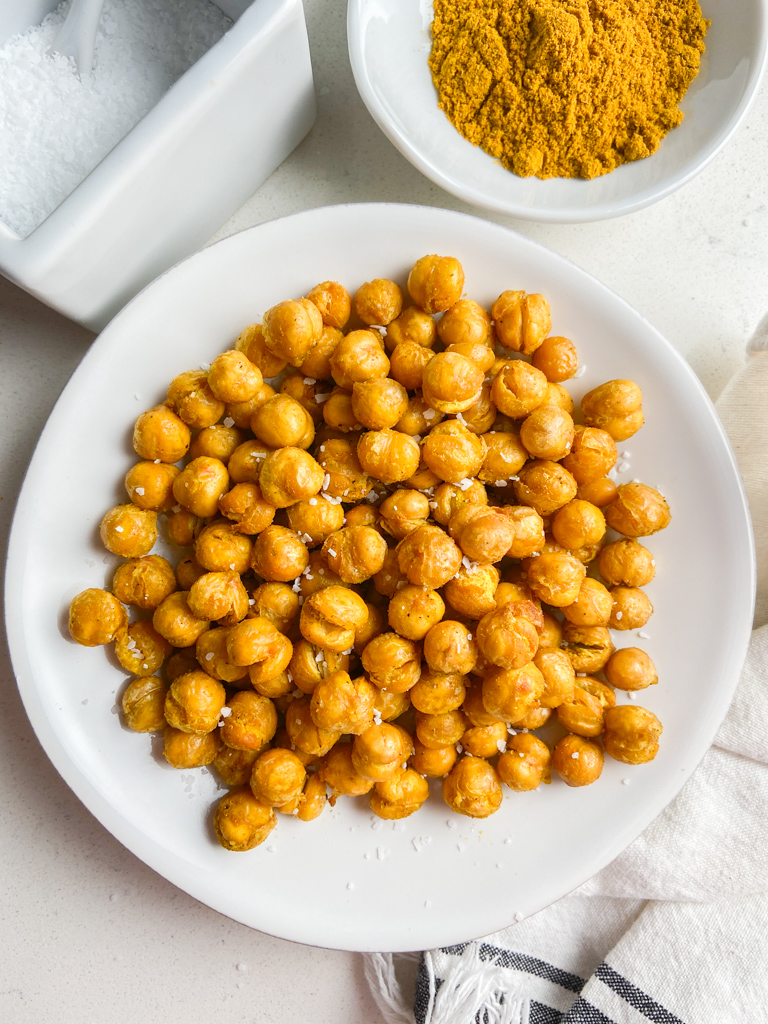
(382, 852)
(643, 635)
(56, 127)
(626, 782)
(242, 967)
(350, 885)
(519, 916)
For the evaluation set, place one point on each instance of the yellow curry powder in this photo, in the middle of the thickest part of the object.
(565, 88)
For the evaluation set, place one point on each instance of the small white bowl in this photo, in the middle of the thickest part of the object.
(174, 179)
(389, 45)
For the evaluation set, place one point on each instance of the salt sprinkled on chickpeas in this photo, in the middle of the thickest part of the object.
(129, 531)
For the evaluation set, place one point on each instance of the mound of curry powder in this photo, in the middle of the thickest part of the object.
(565, 88)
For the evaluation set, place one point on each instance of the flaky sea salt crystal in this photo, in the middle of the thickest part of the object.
(55, 127)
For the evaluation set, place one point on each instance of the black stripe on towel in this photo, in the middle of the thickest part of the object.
(541, 1014)
(634, 996)
(532, 965)
(583, 1012)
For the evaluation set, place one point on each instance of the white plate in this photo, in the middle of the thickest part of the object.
(389, 45)
(347, 880)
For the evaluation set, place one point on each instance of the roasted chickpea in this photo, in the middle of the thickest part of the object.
(189, 750)
(631, 734)
(413, 326)
(375, 625)
(291, 329)
(282, 422)
(505, 457)
(408, 362)
(359, 356)
(558, 674)
(276, 602)
(449, 498)
(482, 414)
(557, 395)
(257, 643)
(466, 322)
(174, 621)
(194, 702)
(577, 760)
(150, 485)
(428, 557)
(340, 775)
(346, 479)
(547, 432)
(245, 506)
(630, 669)
(518, 388)
(592, 607)
(355, 553)
(140, 649)
(343, 704)
(535, 718)
(143, 702)
(251, 343)
(423, 479)
(318, 575)
(246, 461)
(578, 524)
(638, 511)
(551, 633)
(392, 663)
(556, 358)
(484, 534)
(289, 475)
(233, 378)
(631, 608)
(144, 582)
(200, 485)
(529, 531)
(509, 694)
(525, 764)
(453, 452)
(378, 302)
(234, 766)
(128, 531)
(188, 571)
(436, 692)
(304, 390)
(600, 492)
(333, 301)
(451, 382)
(614, 407)
(310, 664)
(403, 512)
(433, 763)
(212, 657)
(472, 787)
(390, 706)
(436, 282)
(219, 547)
(303, 732)
(400, 796)
(380, 403)
(317, 362)
(251, 723)
(390, 579)
(449, 647)
(588, 647)
(278, 554)
(626, 563)
(315, 519)
(583, 714)
(418, 418)
(388, 455)
(471, 592)
(218, 442)
(545, 486)
(506, 638)
(160, 434)
(241, 822)
(277, 778)
(522, 321)
(191, 398)
(592, 455)
(241, 413)
(414, 610)
(330, 617)
(381, 752)
(555, 577)
(181, 661)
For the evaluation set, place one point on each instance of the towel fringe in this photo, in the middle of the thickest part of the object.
(387, 991)
(472, 985)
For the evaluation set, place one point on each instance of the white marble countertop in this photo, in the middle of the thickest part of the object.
(88, 932)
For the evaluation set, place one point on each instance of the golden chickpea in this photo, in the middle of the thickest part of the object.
(485, 740)
(437, 692)
(233, 377)
(631, 608)
(355, 553)
(291, 329)
(413, 326)
(257, 643)
(626, 563)
(506, 638)
(290, 475)
(188, 571)
(374, 626)
(378, 302)
(529, 531)
(140, 649)
(558, 396)
(558, 674)
(474, 708)
(451, 382)
(577, 760)
(174, 621)
(471, 593)
(191, 398)
(144, 582)
(317, 362)
(592, 607)
(449, 647)
(408, 362)
(449, 498)
(381, 751)
(219, 547)
(343, 704)
(340, 774)
(434, 764)
(630, 669)
(218, 441)
(392, 663)
(404, 511)
(556, 577)
(505, 457)
(466, 322)
(614, 407)
(277, 778)
(200, 485)
(400, 796)
(241, 822)
(283, 422)
(509, 694)
(220, 596)
(423, 479)
(311, 664)
(160, 434)
(428, 557)
(189, 750)
(143, 702)
(251, 343)
(588, 647)
(181, 661)
(276, 602)
(600, 492)
(638, 511)
(211, 652)
(518, 389)
(388, 455)
(418, 418)
(234, 766)
(522, 321)
(578, 524)
(363, 515)
(246, 507)
(333, 301)
(436, 282)
(556, 358)
(545, 486)
(359, 356)
(551, 633)
(482, 414)
(414, 610)
(330, 617)
(304, 389)
(583, 714)
(339, 462)
(604, 693)
(315, 519)
(246, 461)
(525, 764)
(592, 455)
(252, 721)
(150, 485)
(535, 717)
(303, 732)
(128, 531)
(389, 579)
(379, 403)
(631, 734)
(338, 413)
(453, 452)
(278, 554)
(194, 702)
(241, 413)
(318, 575)
(472, 787)
(547, 432)
(484, 534)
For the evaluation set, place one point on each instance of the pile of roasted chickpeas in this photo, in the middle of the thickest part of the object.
(393, 568)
